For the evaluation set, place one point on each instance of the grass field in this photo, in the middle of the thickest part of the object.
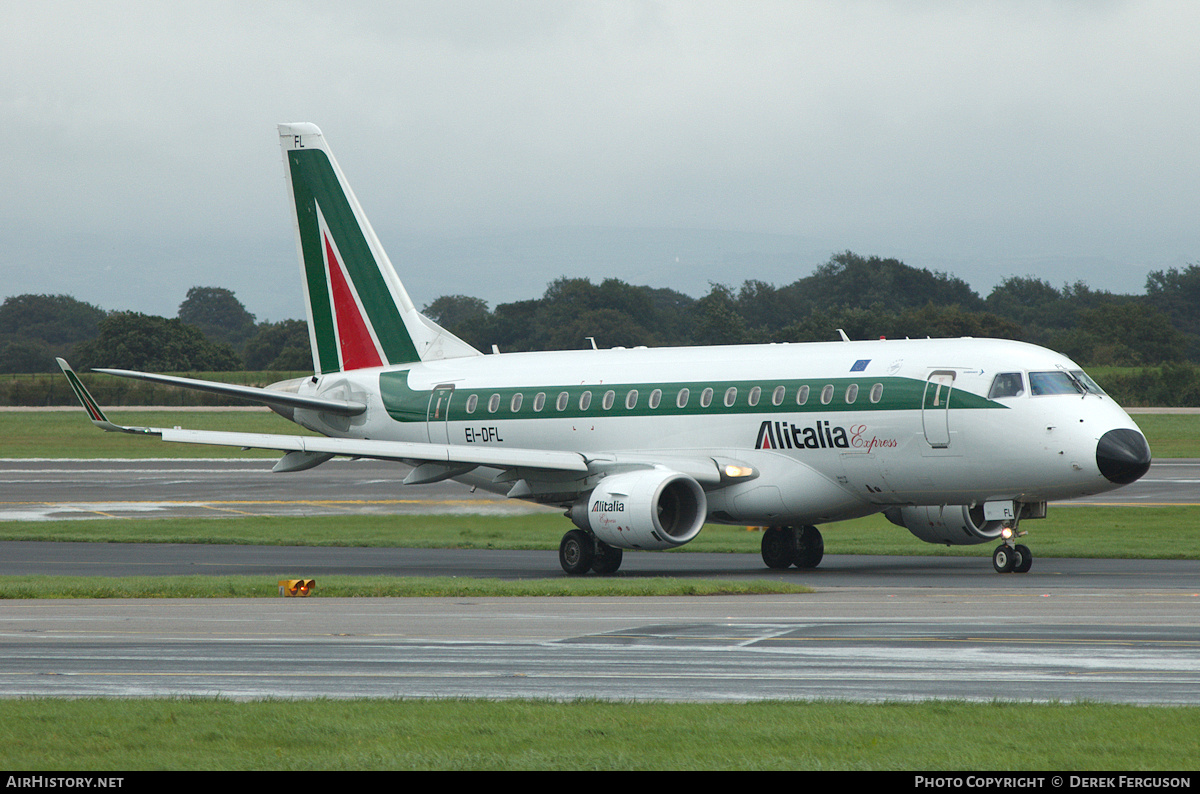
(1165, 532)
(69, 434)
(349, 586)
(213, 734)
(1171, 435)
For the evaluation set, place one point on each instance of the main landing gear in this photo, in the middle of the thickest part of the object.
(580, 552)
(785, 546)
(1010, 557)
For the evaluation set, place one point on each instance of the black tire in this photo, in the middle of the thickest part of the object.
(576, 552)
(608, 558)
(779, 547)
(1003, 559)
(810, 547)
(1026, 559)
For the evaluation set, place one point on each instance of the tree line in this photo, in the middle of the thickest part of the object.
(213, 332)
(867, 297)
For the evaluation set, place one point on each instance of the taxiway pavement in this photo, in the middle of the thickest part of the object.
(33, 489)
(877, 628)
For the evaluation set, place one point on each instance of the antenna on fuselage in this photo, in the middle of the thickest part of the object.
(843, 335)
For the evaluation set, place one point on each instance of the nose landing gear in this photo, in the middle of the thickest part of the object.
(1010, 557)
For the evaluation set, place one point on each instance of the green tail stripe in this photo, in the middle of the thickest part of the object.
(314, 182)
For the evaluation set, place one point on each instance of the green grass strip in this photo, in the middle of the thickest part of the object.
(217, 734)
(1162, 532)
(18, 587)
(69, 434)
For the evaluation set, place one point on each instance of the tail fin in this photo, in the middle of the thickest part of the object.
(359, 314)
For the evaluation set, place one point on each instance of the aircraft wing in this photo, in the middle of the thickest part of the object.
(303, 452)
(450, 455)
(531, 471)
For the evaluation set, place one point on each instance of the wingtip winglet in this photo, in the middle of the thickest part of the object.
(81, 393)
(92, 407)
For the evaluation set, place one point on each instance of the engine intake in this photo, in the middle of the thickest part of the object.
(951, 525)
(653, 509)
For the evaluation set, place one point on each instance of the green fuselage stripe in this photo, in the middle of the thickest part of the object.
(897, 394)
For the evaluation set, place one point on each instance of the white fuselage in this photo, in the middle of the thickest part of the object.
(906, 422)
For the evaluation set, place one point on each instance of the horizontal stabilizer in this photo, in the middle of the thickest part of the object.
(253, 393)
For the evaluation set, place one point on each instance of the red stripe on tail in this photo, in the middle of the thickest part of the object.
(357, 347)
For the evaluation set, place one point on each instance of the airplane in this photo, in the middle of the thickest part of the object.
(957, 440)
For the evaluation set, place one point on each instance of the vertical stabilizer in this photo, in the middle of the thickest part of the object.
(359, 314)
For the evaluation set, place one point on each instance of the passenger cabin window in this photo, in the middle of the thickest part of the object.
(472, 403)
(778, 395)
(655, 398)
(877, 392)
(706, 398)
(681, 400)
(631, 399)
(539, 401)
(802, 395)
(755, 393)
(730, 396)
(827, 394)
(585, 400)
(1007, 384)
(561, 404)
(851, 393)
(610, 397)
(517, 399)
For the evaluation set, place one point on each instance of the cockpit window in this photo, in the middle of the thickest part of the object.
(1007, 384)
(1090, 384)
(1056, 382)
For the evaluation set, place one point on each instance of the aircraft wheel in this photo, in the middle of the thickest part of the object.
(608, 558)
(779, 547)
(576, 552)
(810, 547)
(1026, 559)
(1003, 559)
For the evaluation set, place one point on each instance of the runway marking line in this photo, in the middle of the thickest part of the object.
(472, 501)
(268, 502)
(774, 638)
(1126, 504)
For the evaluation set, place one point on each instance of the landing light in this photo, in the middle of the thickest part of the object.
(1006, 533)
(733, 471)
(296, 587)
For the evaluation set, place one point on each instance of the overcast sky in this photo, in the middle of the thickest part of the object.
(986, 139)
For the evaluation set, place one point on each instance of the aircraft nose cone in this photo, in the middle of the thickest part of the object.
(1123, 455)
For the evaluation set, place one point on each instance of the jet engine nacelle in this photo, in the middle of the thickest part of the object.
(952, 525)
(654, 509)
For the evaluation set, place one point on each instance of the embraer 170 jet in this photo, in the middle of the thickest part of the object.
(957, 440)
